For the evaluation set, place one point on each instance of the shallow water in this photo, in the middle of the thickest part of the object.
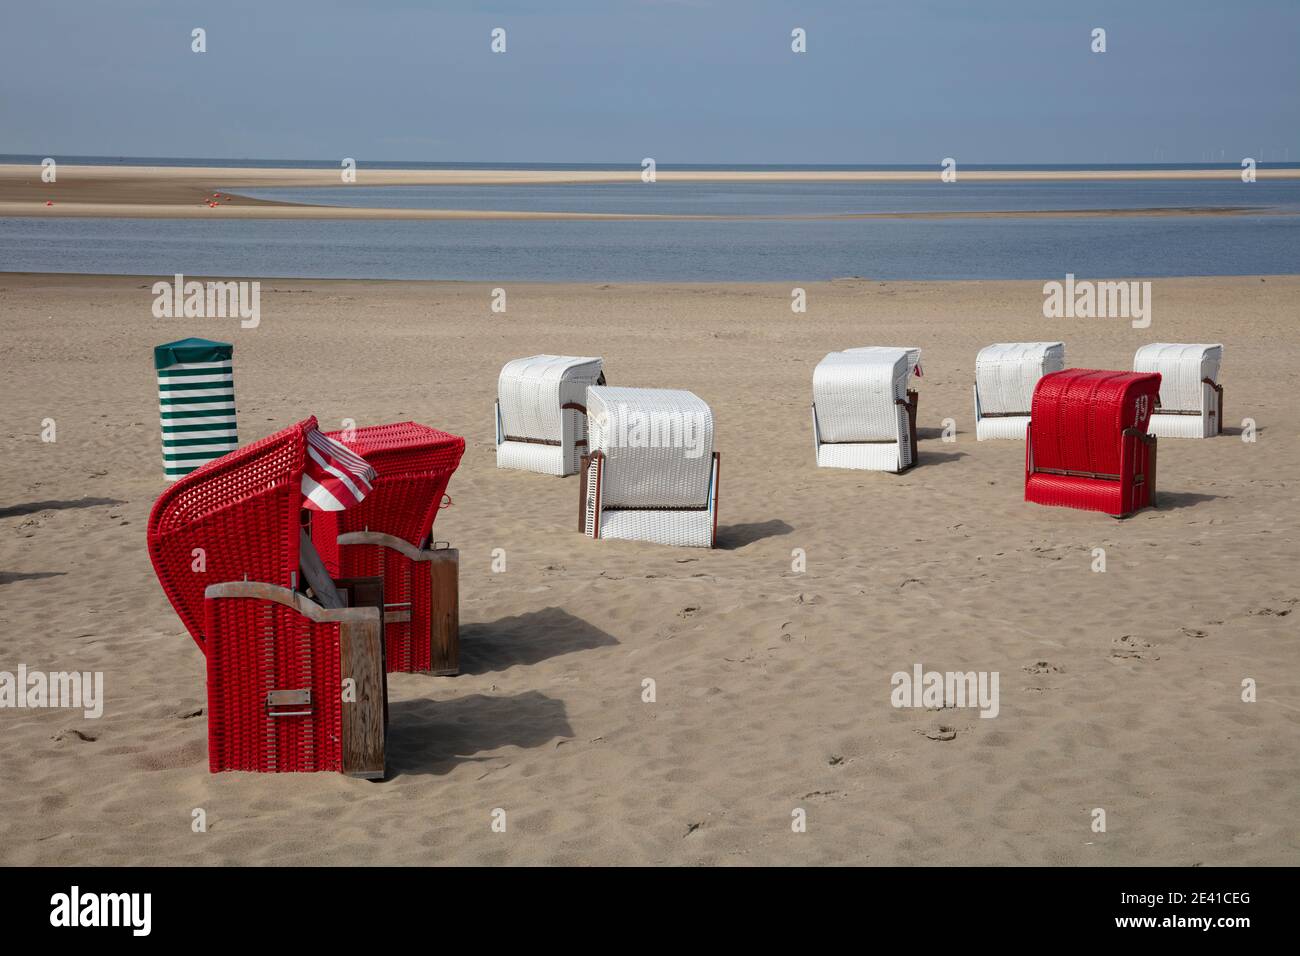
(727, 250)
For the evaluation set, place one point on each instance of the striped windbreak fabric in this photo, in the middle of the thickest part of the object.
(196, 403)
(334, 477)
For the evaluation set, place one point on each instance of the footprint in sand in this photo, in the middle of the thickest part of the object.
(1129, 647)
(787, 635)
(1274, 612)
(1043, 667)
(72, 733)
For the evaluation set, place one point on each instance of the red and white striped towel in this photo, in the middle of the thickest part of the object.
(335, 477)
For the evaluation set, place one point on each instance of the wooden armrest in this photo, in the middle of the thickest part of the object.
(304, 605)
(400, 545)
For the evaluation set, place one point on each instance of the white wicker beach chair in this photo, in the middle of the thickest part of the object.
(541, 418)
(652, 474)
(864, 415)
(1191, 398)
(913, 354)
(1005, 376)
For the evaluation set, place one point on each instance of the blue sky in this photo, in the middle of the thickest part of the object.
(679, 80)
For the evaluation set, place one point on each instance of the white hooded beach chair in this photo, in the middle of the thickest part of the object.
(1191, 398)
(864, 415)
(652, 474)
(541, 416)
(1005, 376)
(913, 355)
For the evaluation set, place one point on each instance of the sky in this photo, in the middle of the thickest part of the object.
(682, 81)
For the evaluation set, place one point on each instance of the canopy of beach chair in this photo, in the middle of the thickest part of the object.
(855, 393)
(541, 412)
(1089, 446)
(652, 474)
(238, 518)
(887, 351)
(412, 465)
(1191, 396)
(1007, 372)
(1079, 414)
(1183, 370)
(659, 442)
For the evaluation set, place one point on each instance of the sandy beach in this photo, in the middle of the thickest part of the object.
(166, 192)
(1119, 690)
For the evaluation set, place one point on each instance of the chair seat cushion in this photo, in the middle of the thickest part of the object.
(1070, 491)
(530, 456)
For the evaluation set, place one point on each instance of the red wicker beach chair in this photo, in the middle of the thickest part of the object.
(1088, 445)
(295, 683)
(388, 535)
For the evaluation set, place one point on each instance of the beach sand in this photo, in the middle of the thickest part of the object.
(165, 192)
(1118, 690)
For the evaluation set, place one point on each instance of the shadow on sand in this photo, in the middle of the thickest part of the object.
(33, 507)
(925, 459)
(1173, 500)
(929, 433)
(526, 639)
(433, 736)
(735, 536)
(9, 577)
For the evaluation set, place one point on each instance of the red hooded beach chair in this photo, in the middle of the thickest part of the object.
(295, 678)
(1088, 445)
(388, 535)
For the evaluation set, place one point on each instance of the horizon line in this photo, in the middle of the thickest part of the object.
(135, 160)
